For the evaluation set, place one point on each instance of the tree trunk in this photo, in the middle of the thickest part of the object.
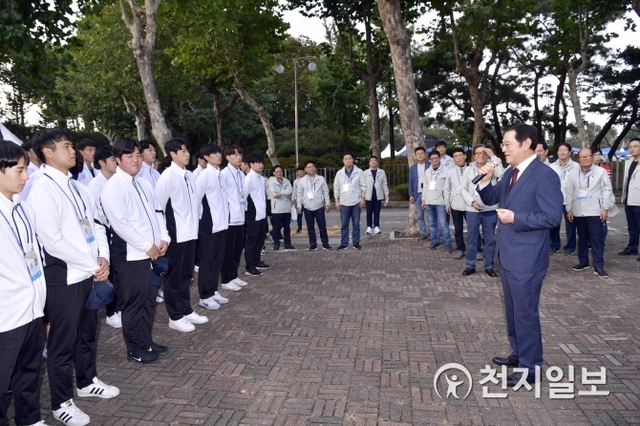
(264, 118)
(558, 129)
(374, 116)
(141, 21)
(632, 119)
(139, 117)
(636, 6)
(631, 98)
(392, 139)
(477, 103)
(220, 111)
(536, 106)
(577, 107)
(400, 46)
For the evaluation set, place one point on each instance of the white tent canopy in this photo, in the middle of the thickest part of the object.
(8, 136)
(386, 153)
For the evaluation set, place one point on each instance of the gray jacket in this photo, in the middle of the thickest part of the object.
(356, 186)
(588, 193)
(634, 184)
(469, 191)
(381, 184)
(563, 170)
(312, 194)
(282, 204)
(433, 186)
(452, 186)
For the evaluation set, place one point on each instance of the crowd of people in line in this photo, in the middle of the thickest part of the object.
(72, 228)
(445, 188)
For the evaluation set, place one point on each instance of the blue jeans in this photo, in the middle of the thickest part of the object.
(438, 219)
(422, 226)
(488, 220)
(350, 213)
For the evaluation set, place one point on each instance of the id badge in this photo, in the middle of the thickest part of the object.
(242, 200)
(309, 195)
(345, 187)
(583, 193)
(87, 231)
(33, 264)
(432, 185)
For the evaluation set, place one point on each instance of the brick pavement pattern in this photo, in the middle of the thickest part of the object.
(355, 338)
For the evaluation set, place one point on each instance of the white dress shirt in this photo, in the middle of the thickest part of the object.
(233, 182)
(178, 187)
(254, 185)
(209, 184)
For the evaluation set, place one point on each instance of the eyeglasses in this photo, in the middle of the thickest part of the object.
(480, 153)
(505, 145)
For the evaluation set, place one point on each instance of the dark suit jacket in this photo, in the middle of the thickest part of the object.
(536, 200)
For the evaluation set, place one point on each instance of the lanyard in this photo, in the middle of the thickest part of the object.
(144, 205)
(25, 221)
(239, 183)
(587, 175)
(311, 187)
(74, 201)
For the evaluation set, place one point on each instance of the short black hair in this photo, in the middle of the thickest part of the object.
(374, 156)
(26, 145)
(419, 148)
(566, 145)
(309, 162)
(208, 149)
(47, 138)
(101, 155)
(545, 147)
(458, 150)
(255, 158)
(231, 149)
(145, 144)
(524, 132)
(85, 142)
(301, 168)
(348, 153)
(273, 170)
(174, 145)
(441, 143)
(596, 150)
(125, 146)
(10, 155)
(434, 152)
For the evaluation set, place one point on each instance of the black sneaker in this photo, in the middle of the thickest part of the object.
(600, 272)
(276, 246)
(160, 349)
(628, 252)
(580, 267)
(253, 272)
(289, 247)
(341, 247)
(262, 266)
(357, 247)
(313, 248)
(326, 247)
(143, 356)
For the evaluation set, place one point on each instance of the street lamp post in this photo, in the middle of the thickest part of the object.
(297, 62)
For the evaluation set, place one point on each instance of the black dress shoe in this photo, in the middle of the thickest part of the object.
(601, 272)
(514, 378)
(262, 266)
(492, 273)
(505, 360)
(580, 267)
(468, 271)
(627, 252)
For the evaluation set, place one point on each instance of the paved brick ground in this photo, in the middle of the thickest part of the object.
(356, 337)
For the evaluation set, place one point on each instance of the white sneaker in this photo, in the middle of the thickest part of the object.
(99, 389)
(231, 286)
(115, 320)
(182, 325)
(218, 298)
(209, 303)
(369, 230)
(196, 269)
(239, 282)
(377, 230)
(70, 414)
(40, 423)
(196, 318)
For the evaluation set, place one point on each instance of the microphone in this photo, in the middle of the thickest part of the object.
(495, 161)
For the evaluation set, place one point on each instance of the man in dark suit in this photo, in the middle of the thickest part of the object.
(530, 203)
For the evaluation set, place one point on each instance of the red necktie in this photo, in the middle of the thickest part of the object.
(514, 178)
